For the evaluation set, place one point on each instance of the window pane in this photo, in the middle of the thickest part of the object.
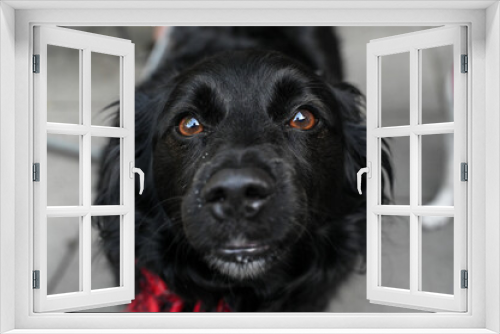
(105, 89)
(63, 170)
(111, 185)
(395, 90)
(437, 255)
(400, 158)
(437, 84)
(63, 85)
(395, 253)
(63, 255)
(437, 169)
(106, 274)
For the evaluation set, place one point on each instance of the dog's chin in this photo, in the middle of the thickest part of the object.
(241, 267)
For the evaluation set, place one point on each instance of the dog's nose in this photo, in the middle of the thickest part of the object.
(237, 193)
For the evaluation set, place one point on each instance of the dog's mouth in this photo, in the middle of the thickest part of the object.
(242, 214)
(242, 253)
(241, 262)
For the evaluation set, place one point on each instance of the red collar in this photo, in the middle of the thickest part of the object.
(156, 297)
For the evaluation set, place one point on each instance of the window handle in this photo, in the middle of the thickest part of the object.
(368, 171)
(141, 176)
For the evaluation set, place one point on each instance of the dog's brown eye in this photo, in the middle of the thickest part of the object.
(189, 126)
(303, 120)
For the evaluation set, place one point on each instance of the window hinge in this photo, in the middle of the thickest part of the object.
(36, 279)
(36, 63)
(464, 171)
(465, 279)
(465, 64)
(36, 172)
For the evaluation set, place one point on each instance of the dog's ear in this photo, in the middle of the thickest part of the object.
(147, 109)
(352, 108)
(350, 105)
(148, 105)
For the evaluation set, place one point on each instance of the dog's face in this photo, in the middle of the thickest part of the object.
(248, 158)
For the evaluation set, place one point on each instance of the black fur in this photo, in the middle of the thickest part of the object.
(245, 84)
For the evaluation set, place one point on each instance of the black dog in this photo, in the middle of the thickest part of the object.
(250, 143)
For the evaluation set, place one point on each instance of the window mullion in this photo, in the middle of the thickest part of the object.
(80, 130)
(414, 170)
(86, 168)
(85, 253)
(81, 248)
(86, 119)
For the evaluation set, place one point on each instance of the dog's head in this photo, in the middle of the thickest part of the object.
(250, 157)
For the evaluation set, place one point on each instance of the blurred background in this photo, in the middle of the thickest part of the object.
(437, 236)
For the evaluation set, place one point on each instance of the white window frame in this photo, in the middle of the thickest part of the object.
(413, 44)
(86, 44)
(16, 215)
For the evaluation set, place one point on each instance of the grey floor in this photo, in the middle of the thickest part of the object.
(437, 246)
